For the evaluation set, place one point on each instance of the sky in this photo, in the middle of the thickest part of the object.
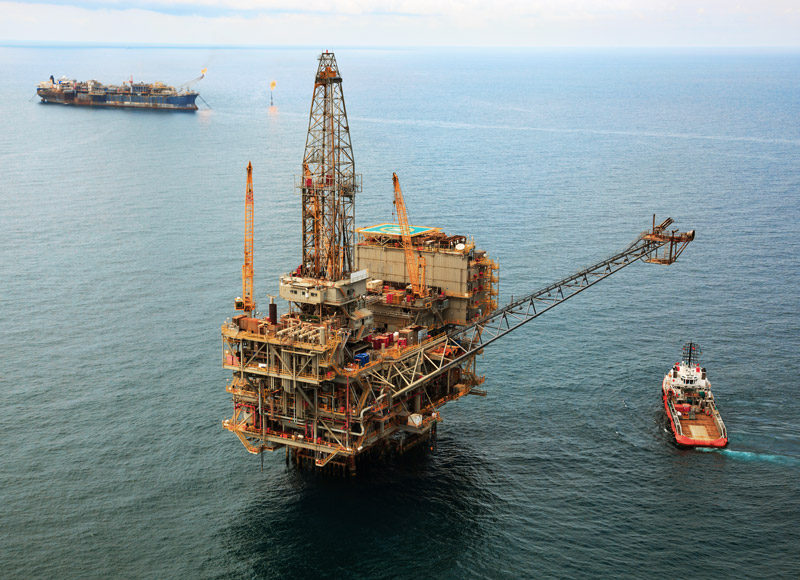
(379, 23)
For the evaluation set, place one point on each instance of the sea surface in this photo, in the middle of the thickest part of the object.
(120, 256)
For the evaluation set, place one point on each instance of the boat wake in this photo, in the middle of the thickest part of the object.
(753, 456)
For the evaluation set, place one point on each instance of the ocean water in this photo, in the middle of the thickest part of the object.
(120, 256)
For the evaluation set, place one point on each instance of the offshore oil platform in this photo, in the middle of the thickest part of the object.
(384, 323)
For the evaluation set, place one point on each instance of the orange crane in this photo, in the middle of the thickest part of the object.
(245, 301)
(414, 264)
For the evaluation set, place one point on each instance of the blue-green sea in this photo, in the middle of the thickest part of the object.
(121, 239)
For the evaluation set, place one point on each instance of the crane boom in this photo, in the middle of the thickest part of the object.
(451, 348)
(414, 265)
(245, 301)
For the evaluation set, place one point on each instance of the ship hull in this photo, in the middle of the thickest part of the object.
(123, 101)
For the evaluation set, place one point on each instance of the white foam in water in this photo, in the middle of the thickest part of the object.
(753, 456)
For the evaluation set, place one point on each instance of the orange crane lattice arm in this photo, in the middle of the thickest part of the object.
(246, 302)
(414, 264)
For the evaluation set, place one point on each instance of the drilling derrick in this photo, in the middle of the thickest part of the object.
(379, 334)
(326, 285)
(329, 181)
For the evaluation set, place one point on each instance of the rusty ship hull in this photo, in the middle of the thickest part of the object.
(127, 96)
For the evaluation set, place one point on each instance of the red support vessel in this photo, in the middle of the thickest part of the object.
(689, 403)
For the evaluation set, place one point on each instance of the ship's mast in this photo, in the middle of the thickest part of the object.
(691, 353)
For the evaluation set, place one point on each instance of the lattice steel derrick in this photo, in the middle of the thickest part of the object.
(329, 182)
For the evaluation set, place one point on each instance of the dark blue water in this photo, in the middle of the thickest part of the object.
(121, 253)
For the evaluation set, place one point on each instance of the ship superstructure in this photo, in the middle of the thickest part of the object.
(384, 323)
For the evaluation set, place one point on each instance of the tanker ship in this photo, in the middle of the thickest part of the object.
(129, 94)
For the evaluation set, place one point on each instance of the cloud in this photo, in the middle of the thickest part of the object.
(407, 22)
(545, 9)
(213, 8)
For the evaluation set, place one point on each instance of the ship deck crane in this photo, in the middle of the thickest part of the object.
(245, 302)
(415, 265)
